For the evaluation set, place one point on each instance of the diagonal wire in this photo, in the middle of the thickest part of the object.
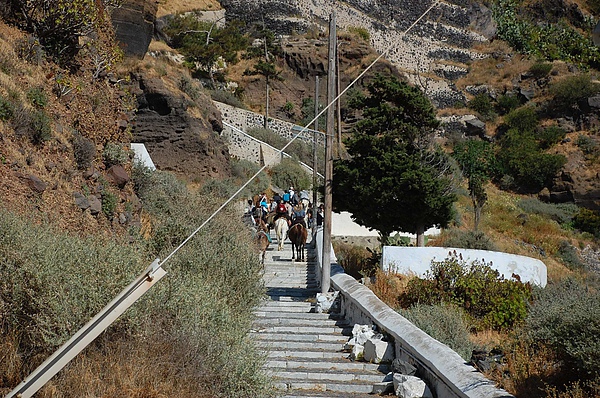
(278, 154)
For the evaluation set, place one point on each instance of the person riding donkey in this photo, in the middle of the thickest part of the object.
(299, 216)
(281, 210)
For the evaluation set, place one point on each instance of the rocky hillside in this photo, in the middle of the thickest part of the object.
(453, 54)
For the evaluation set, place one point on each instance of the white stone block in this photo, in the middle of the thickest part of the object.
(410, 387)
(377, 351)
(357, 352)
(362, 333)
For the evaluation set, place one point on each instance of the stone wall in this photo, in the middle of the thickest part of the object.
(237, 121)
(245, 120)
(446, 373)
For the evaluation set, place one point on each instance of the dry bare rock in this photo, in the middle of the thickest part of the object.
(176, 140)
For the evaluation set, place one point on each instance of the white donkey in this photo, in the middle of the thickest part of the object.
(281, 229)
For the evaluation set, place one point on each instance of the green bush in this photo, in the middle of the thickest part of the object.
(290, 173)
(188, 86)
(566, 316)
(52, 283)
(360, 32)
(568, 91)
(243, 170)
(547, 41)
(562, 213)
(568, 254)
(482, 104)
(587, 220)
(114, 154)
(39, 127)
(540, 69)
(523, 119)
(7, 109)
(109, 204)
(446, 323)
(521, 159)
(490, 300)
(588, 145)
(37, 97)
(468, 240)
(550, 136)
(507, 103)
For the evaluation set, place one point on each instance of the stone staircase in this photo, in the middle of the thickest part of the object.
(304, 348)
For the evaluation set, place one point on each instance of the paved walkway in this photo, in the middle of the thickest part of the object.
(304, 348)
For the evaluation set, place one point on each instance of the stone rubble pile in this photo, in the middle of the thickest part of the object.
(369, 346)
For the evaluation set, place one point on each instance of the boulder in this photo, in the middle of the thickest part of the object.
(95, 204)
(475, 127)
(36, 184)
(411, 387)
(118, 176)
(81, 201)
(133, 22)
(378, 351)
(403, 367)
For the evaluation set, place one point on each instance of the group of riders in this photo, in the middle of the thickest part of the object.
(293, 206)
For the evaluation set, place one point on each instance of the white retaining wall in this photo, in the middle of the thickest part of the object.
(417, 261)
(446, 373)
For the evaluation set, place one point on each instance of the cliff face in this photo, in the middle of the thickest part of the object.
(134, 25)
(177, 140)
(439, 46)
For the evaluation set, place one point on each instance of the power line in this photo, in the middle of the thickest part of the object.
(278, 154)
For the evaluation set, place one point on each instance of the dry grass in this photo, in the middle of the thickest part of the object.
(166, 7)
(128, 368)
(389, 286)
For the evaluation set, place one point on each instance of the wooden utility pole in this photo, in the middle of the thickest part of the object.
(316, 129)
(326, 274)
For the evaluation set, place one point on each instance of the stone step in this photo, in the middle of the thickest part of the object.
(331, 365)
(308, 355)
(297, 292)
(302, 329)
(300, 345)
(286, 303)
(302, 319)
(340, 377)
(325, 385)
(273, 337)
(324, 394)
(268, 313)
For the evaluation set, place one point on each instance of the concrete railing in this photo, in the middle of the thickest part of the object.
(446, 373)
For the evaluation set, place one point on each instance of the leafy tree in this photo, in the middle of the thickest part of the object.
(394, 179)
(521, 153)
(265, 66)
(59, 24)
(204, 43)
(477, 160)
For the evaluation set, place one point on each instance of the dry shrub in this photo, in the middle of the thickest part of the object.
(527, 369)
(388, 287)
(10, 361)
(354, 259)
(130, 368)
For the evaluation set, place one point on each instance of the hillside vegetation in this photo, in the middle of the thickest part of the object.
(79, 219)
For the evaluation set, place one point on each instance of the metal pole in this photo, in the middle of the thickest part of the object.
(314, 192)
(326, 274)
(89, 332)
